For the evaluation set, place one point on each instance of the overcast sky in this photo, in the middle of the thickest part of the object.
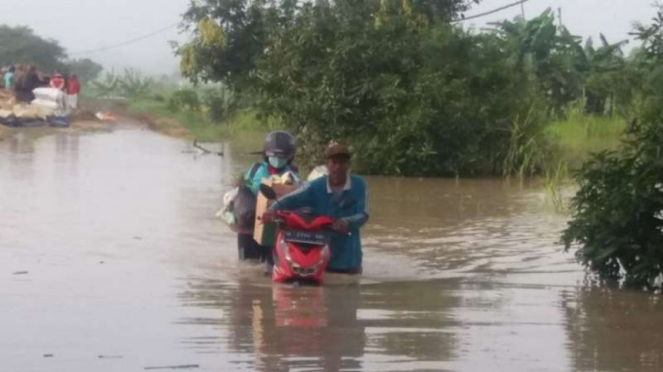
(82, 25)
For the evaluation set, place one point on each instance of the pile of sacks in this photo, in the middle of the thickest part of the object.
(48, 108)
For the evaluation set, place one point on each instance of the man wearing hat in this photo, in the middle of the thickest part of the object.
(339, 195)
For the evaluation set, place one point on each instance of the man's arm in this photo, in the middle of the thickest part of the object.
(358, 220)
(299, 198)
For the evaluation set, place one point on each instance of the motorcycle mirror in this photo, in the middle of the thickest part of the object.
(267, 192)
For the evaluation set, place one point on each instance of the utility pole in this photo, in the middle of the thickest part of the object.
(522, 9)
(559, 11)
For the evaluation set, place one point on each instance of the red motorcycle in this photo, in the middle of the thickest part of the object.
(301, 249)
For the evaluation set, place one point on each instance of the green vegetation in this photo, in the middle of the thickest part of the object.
(19, 45)
(617, 215)
(579, 135)
(412, 93)
(195, 123)
(208, 112)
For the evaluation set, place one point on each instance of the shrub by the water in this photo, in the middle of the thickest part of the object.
(617, 215)
(618, 211)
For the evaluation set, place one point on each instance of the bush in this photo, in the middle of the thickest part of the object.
(184, 99)
(617, 213)
(220, 103)
(414, 101)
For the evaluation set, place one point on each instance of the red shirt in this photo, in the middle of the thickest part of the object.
(57, 82)
(74, 87)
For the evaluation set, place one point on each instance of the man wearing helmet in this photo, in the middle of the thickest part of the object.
(278, 154)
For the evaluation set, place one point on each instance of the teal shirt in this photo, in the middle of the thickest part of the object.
(9, 80)
(262, 173)
(350, 205)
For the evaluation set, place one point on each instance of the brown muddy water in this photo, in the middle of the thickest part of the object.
(112, 260)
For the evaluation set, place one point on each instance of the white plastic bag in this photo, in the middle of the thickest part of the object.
(226, 212)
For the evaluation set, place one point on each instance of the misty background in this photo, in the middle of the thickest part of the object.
(83, 26)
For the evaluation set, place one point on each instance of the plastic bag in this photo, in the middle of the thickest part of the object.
(227, 211)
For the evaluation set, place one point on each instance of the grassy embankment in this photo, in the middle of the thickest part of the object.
(242, 124)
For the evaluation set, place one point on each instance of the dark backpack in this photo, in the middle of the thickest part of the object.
(244, 207)
(244, 204)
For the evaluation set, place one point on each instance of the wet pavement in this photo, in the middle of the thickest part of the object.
(112, 260)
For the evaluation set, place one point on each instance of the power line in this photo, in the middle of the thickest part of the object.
(154, 33)
(131, 41)
(521, 2)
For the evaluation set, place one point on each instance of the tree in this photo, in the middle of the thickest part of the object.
(414, 98)
(617, 218)
(230, 36)
(86, 69)
(547, 51)
(442, 9)
(19, 45)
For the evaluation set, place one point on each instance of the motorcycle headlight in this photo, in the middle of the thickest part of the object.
(286, 250)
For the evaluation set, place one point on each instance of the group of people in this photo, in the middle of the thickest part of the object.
(327, 195)
(24, 79)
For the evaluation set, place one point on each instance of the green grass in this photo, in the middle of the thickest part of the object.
(243, 126)
(581, 135)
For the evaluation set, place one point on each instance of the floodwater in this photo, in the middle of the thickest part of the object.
(111, 260)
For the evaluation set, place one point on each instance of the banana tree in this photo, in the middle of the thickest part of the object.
(546, 50)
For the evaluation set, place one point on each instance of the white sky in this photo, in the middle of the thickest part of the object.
(613, 18)
(89, 24)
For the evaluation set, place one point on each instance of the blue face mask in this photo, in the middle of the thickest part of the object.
(277, 162)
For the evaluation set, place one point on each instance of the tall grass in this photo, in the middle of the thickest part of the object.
(576, 137)
(196, 124)
(579, 135)
(529, 150)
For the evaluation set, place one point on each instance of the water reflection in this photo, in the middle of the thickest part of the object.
(614, 330)
(282, 327)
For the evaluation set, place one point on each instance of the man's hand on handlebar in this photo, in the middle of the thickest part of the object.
(269, 216)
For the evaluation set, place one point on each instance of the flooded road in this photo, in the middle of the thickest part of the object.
(111, 260)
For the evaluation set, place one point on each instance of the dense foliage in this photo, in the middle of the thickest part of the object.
(412, 92)
(618, 211)
(85, 68)
(19, 45)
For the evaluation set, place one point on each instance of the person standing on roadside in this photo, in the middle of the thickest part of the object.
(8, 77)
(26, 81)
(73, 89)
(57, 82)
